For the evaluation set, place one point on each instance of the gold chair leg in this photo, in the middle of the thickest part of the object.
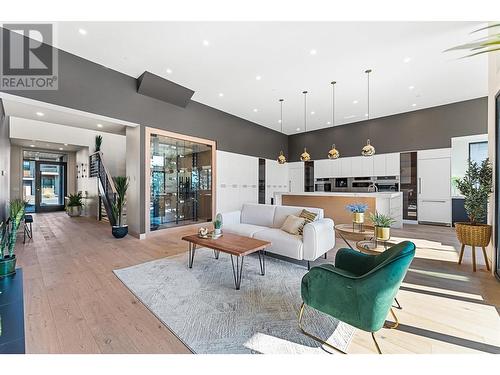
(301, 314)
(396, 321)
(376, 343)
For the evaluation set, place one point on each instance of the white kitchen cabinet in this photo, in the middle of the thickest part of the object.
(392, 164)
(366, 166)
(335, 168)
(345, 167)
(434, 186)
(379, 164)
(296, 177)
(356, 166)
(322, 168)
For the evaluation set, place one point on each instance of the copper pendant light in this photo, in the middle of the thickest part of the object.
(305, 155)
(368, 150)
(281, 157)
(333, 153)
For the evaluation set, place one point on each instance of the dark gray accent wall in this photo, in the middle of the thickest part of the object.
(91, 87)
(418, 130)
(4, 162)
(150, 84)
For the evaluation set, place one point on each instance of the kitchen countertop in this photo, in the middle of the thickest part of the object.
(383, 194)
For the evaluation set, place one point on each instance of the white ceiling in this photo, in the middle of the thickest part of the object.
(40, 145)
(16, 107)
(280, 53)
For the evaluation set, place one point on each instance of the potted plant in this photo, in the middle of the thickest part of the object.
(358, 212)
(119, 230)
(74, 206)
(218, 225)
(9, 236)
(476, 187)
(98, 143)
(382, 224)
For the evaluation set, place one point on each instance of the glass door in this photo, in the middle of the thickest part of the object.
(50, 186)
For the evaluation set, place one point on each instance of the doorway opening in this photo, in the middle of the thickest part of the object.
(44, 180)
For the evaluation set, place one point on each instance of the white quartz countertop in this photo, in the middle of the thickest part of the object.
(384, 194)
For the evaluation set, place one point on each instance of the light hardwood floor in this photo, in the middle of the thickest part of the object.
(75, 304)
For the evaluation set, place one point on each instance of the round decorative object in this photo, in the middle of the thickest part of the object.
(305, 155)
(333, 153)
(368, 150)
(281, 158)
(473, 235)
(203, 232)
(358, 217)
(383, 233)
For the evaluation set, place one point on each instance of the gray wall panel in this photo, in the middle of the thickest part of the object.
(418, 130)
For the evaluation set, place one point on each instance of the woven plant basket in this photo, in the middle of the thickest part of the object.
(473, 235)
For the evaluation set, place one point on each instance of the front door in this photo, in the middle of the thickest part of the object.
(50, 186)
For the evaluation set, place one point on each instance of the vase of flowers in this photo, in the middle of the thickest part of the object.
(358, 212)
(382, 224)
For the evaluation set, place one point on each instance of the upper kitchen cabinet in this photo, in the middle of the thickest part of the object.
(322, 168)
(392, 164)
(346, 167)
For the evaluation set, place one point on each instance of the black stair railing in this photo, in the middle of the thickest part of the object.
(107, 190)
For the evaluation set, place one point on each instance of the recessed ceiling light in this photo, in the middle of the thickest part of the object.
(312, 113)
(40, 114)
(298, 129)
(414, 105)
(328, 123)
(366, 114)
(411, 87)
(255, 110)
(60, 148)
(99, 125)
(65, 144)
(169, 71)
(206, 43)
(355, 102)
(82, 31)
(221, 94)
(32, 145)
(407, 59)
(313, 52)
(279, 121)
(258, 78)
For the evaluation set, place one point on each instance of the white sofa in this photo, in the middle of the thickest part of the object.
(263, 221)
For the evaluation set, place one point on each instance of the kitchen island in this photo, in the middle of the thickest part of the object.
(334, 203)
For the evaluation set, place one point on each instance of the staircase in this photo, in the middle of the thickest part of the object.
(107, 190)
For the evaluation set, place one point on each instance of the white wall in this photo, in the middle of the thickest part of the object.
(113, 145)
(237, 180)
(133, 172)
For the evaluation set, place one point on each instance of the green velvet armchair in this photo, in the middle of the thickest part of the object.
(359, 289)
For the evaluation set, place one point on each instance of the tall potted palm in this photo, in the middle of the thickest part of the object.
(8, 236)
(119, 230)
(476, 187)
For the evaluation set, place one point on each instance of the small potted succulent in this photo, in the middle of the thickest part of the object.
(8, 236)
(382, 224)
(119, 230)
(74, 206)
(218, 225)
(358, 212)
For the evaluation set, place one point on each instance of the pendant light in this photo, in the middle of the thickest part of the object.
(305, 155)
(368, 150)
(333, 153)
(281, 157)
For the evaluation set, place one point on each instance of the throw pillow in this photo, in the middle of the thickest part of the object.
(308, 217)
(292, 224)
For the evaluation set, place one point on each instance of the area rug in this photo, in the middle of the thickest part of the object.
(203, 309)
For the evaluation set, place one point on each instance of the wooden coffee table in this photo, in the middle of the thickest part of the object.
(234, 245)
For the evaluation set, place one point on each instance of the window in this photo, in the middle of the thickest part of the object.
(478, 151)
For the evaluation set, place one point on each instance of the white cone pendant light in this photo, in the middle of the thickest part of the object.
(305, 155)
(281, 157)
(333, 153)
(368, 150)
